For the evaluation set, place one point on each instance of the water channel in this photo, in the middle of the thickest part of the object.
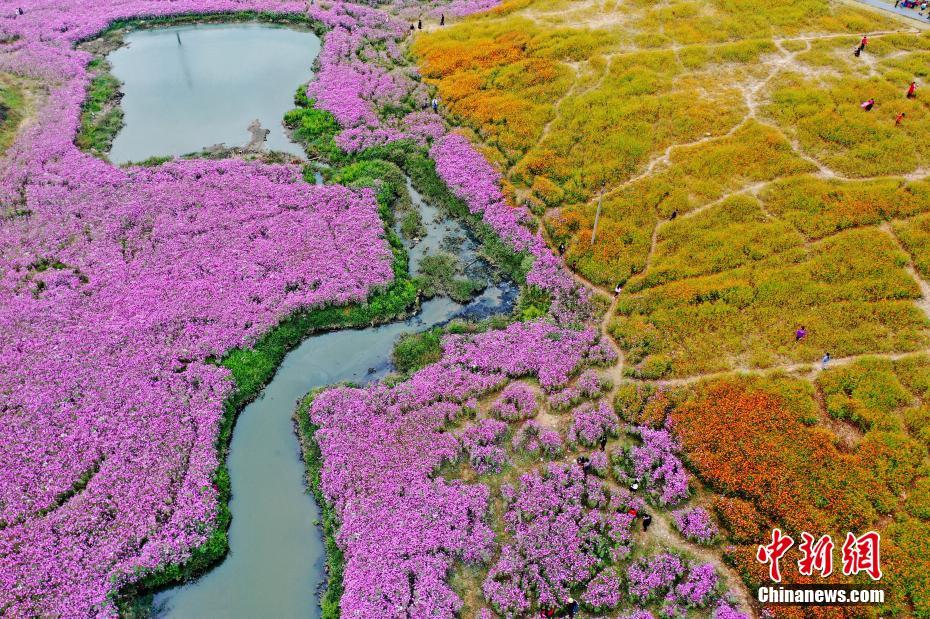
(275, 564)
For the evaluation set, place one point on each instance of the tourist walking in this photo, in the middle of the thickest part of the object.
(585, 465)
(825, 361)
(572, 607)
(868, 105)
(435, 104)
(800, 334)
(442, 19)
(912, 90)
(862, 44)
(618, 289)
(898, 119)
(647, 520)
(419, 24)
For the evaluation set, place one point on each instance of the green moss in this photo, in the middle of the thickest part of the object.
(12, 102)
(440, 274)
(315, 129)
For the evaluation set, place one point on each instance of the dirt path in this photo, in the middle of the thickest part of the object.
(663, 531)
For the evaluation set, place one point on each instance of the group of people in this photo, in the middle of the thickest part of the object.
(869, 103)
(913, 4)
(419, 24)
(569, 610)
(800, 335)
(585, 463)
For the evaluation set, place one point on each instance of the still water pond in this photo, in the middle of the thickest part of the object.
(187, 88)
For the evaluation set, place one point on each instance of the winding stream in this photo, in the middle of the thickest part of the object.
(276, 559)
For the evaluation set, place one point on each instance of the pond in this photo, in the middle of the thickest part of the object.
(188, 88)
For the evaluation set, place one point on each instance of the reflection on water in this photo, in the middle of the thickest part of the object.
(190, 87)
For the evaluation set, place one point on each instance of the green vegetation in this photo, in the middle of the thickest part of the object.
(440, 274)
(314, 128)
(101, 116)
(859, 304)
(414, 351)
(12, 104)
(915, 237)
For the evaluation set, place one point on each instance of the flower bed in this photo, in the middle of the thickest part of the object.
(401, 528)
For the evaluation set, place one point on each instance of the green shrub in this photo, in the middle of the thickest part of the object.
(414, 351)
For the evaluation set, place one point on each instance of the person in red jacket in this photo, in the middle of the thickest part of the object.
(912, 90)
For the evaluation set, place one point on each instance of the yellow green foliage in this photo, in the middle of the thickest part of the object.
(893, 395)
(12, 104)
(729, 235)
(694, 177)
(867, 394)
(824, 113)
(746, 317)
(915, 237)
(906, 565)
(819, 207)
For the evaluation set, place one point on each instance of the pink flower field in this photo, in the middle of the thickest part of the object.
(115, 287)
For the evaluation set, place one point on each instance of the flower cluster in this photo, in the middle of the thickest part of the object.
(469, 175)
(533, 438)
(564, 399)
(724, 610)
(679, 586)
(648, 578)
(591, 423)
(516, 402)
(698, 589)
(696, 525)
(554, 541)
(117, 286)
(603, 592)
(482, 443)
(537, 347)
(656, 464)
(591, 384)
